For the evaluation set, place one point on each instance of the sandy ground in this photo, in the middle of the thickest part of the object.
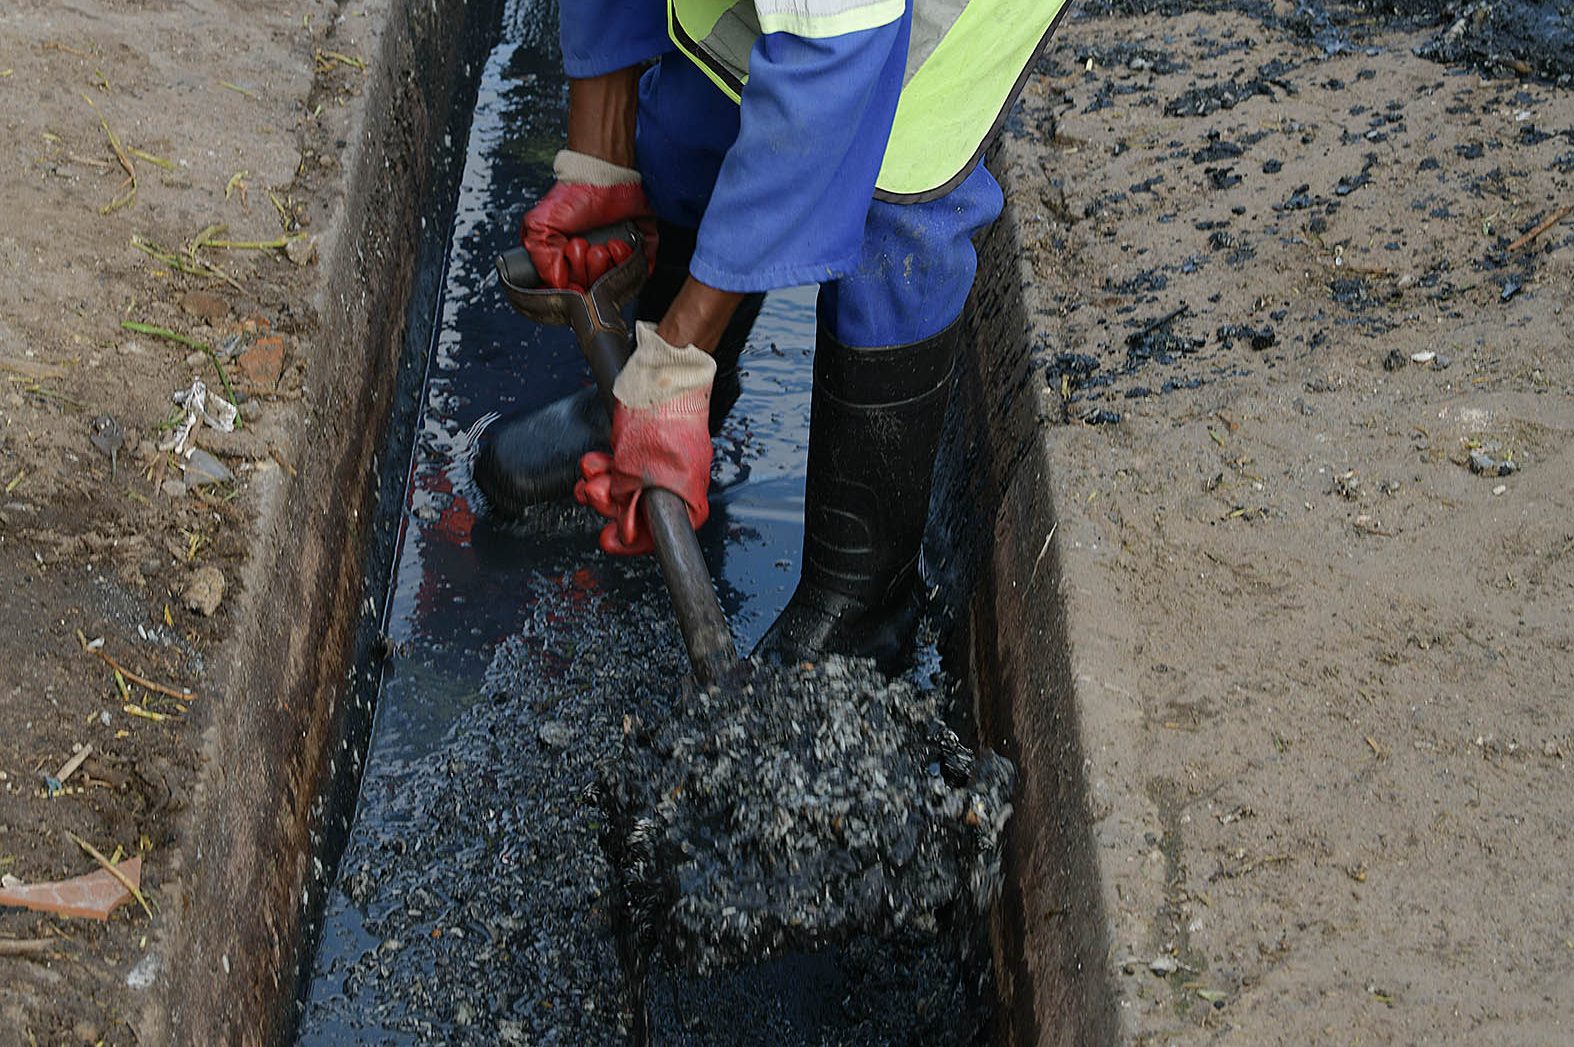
(1324, 666)
(226, 113)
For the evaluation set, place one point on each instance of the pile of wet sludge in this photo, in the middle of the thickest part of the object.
(482, 891)
(1500, 37)
(795, 807)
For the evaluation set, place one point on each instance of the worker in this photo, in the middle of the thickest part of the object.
(763, 145)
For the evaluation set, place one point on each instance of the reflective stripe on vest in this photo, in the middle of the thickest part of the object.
(966, 63)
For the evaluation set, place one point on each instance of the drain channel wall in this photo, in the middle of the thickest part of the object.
(992, 547)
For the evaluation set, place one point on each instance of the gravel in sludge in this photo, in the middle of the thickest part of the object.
(797, 807)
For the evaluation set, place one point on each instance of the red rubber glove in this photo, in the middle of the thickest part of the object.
(589, 193)
(660, 438)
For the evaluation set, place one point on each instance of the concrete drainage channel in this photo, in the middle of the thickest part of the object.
(992, 540)
(465, 906)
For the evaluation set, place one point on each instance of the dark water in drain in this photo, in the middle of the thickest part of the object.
(467, 905)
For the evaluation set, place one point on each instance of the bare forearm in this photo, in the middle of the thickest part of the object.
(601, 112)
(601, 116)
(698, 315)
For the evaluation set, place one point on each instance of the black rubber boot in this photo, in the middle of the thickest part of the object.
(529, 457)
(874, 427)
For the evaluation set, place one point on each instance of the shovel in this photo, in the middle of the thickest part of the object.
(596, 315)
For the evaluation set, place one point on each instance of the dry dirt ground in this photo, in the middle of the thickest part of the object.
(226, 114)
(1324, 666)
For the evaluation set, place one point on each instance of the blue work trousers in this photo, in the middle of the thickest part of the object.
(909, 276)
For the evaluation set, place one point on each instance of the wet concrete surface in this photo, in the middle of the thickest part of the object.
(469, 903)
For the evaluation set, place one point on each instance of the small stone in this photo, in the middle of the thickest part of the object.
(555, 734)
(1425, 356)
(1443, 362)
(196, 359)
(173, 489)
(1394, 360)
(1482, 463)
(263, 363)
(301, 251)
(205, 590)
(1164, 966)
(204, 306)
(144, 973)
(1500, 488)
(202, 468)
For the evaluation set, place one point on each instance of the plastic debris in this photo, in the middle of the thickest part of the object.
(201, 405)
(144, 973)
(201, 468)
(94, 895)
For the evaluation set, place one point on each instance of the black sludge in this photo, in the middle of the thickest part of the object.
(796, 808)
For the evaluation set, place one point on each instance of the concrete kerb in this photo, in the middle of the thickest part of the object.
(243, 877)
(1031, 651)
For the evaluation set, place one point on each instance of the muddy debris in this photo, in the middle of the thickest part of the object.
(105, 434)
(491, 835)
(1484, 461)
(301, 251)
(1156, 341)
(209, 308)
(1510, 38)
(1259, 338)
(1203, 101)
(205, 590)
(797, 807)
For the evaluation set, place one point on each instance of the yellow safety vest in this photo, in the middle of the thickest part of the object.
(966, 62)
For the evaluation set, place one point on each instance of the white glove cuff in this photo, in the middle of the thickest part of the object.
(584, 169)
(658, 373)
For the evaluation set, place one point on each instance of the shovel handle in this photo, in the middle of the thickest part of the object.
(700, 619)
(604, 341)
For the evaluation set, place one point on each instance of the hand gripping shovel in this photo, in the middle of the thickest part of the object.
(596, 316)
